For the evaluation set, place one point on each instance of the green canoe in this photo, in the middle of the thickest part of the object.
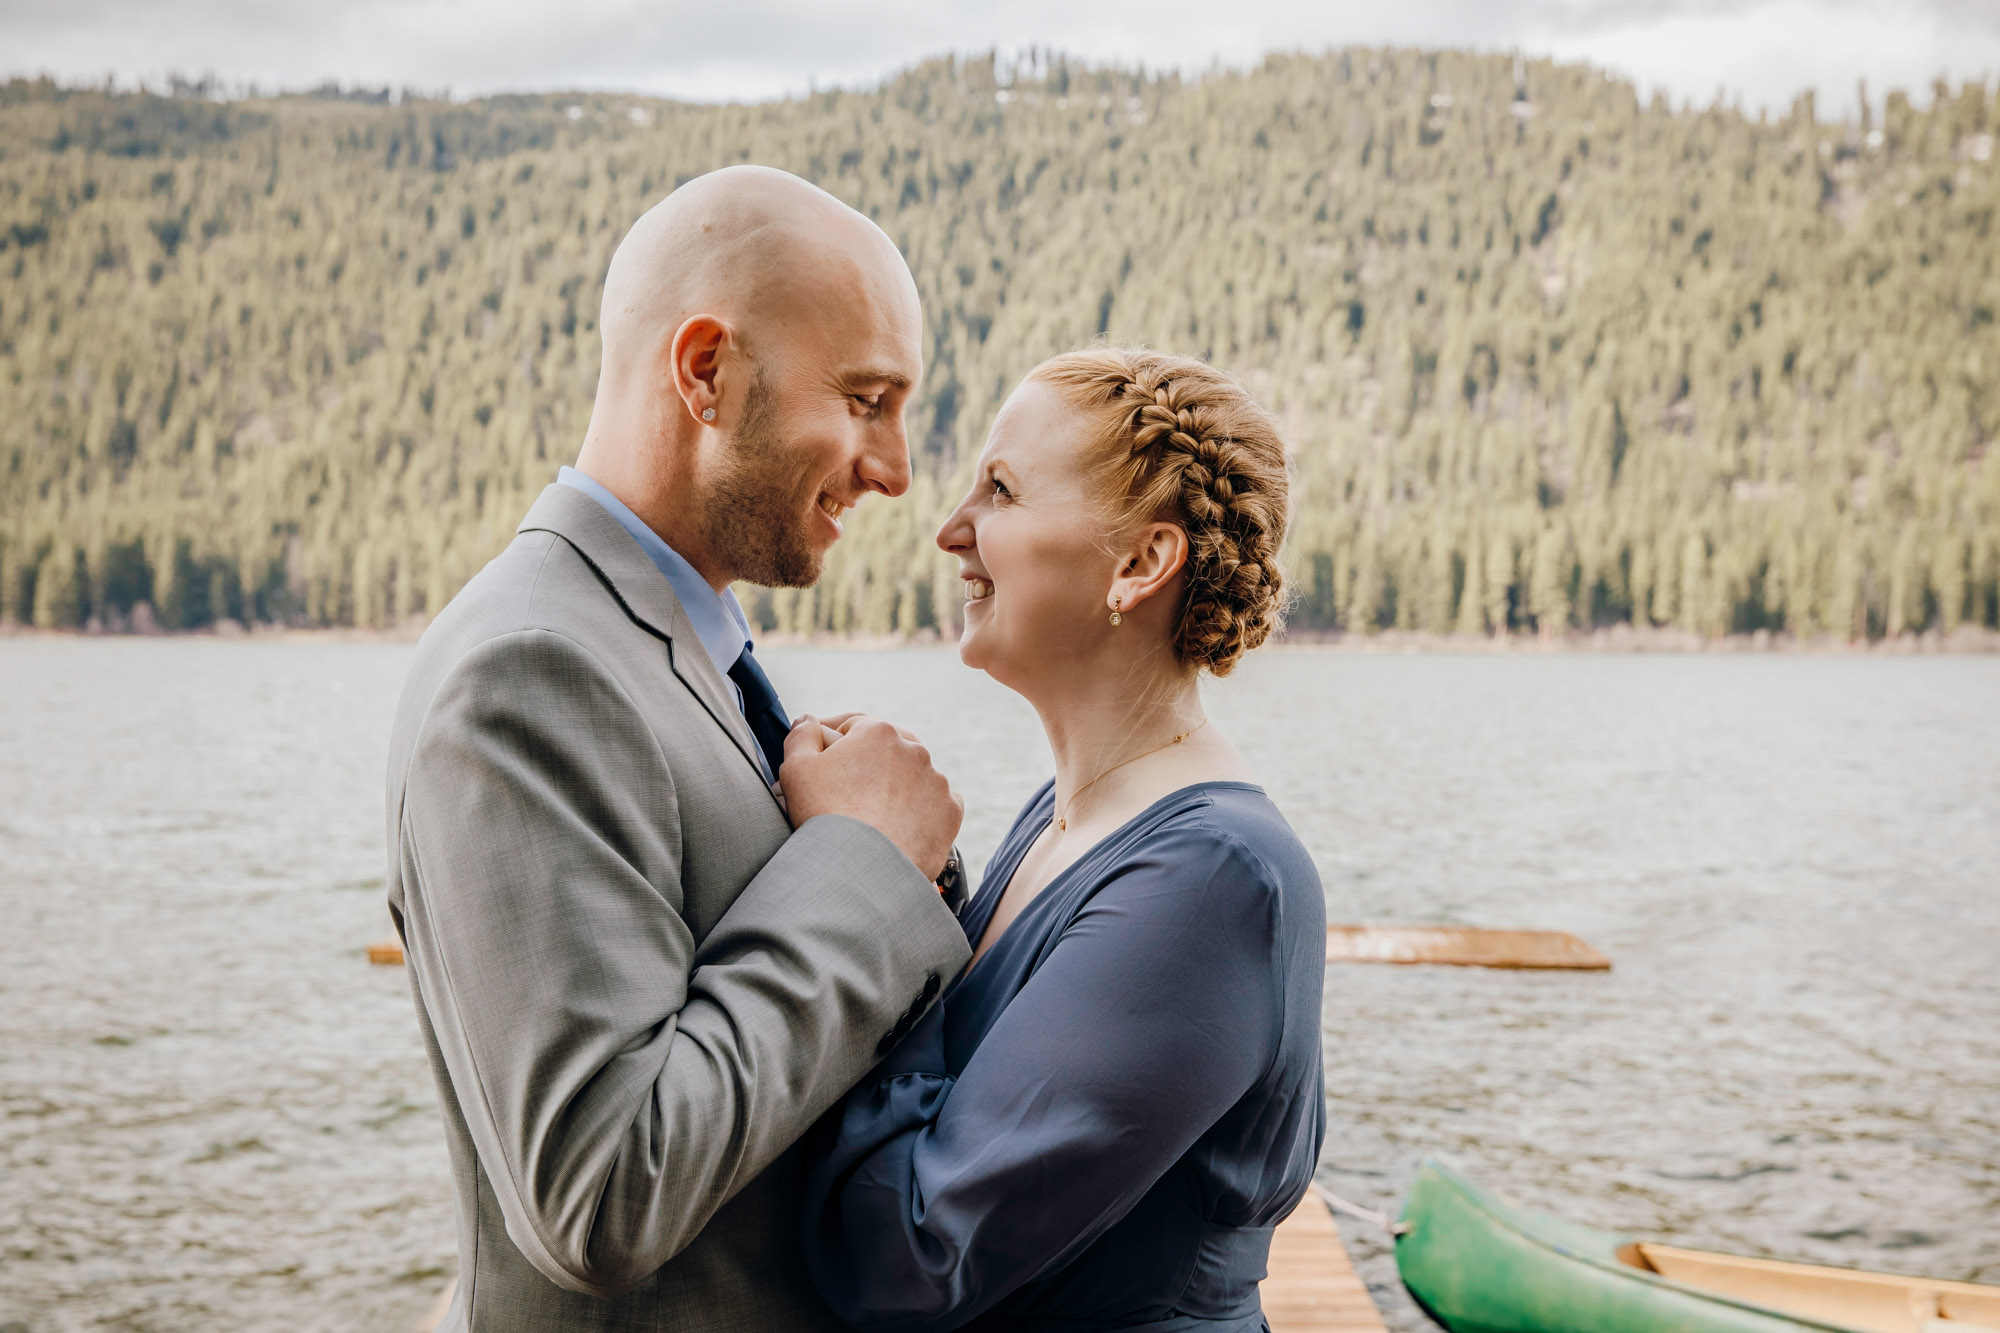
(1480, 1264)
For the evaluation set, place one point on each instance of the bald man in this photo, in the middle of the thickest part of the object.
(642, 967)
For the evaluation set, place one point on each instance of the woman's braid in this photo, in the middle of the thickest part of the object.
(1196, 450)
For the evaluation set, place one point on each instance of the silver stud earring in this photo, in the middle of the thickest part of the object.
(708, 414)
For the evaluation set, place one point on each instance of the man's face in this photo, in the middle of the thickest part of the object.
(820, 425)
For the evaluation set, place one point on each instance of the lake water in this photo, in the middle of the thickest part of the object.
(215, 1115)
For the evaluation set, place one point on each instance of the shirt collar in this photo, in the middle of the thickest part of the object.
(717, 618)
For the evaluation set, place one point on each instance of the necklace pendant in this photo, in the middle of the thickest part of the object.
(1062, 826)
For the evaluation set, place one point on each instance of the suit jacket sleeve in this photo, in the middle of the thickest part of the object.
(619, 1084)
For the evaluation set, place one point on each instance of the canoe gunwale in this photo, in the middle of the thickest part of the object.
(1490, 1207)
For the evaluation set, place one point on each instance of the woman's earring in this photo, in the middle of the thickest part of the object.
(1117, 602)
(708, 414)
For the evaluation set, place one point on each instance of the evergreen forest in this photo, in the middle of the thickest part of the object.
(1549, 357)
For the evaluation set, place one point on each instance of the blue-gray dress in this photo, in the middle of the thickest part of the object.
(1101, 1121)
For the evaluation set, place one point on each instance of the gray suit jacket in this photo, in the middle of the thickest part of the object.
(637, 985)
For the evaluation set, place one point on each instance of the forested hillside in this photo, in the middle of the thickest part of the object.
(1547, 356)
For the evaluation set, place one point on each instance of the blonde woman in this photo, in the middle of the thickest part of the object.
(1102, 1119)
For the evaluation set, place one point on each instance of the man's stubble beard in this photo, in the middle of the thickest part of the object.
(757, 522)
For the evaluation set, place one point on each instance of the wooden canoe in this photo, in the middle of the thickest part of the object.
(1478, 1263)
(1462, 946)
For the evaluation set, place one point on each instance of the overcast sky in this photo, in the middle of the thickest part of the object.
(1764, 51)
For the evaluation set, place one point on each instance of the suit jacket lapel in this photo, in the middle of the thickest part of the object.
(646, 596)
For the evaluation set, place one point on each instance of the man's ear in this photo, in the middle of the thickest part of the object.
(1156, 555)
(695, 360)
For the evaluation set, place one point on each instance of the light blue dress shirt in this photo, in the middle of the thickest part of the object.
(718, 618)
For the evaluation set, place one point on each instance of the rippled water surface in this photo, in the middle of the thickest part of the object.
(215, 1115)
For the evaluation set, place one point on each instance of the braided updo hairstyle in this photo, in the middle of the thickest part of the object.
(1179, 441)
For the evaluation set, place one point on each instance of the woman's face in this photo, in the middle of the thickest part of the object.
(1031, 546)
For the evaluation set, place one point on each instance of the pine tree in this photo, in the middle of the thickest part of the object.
(308, 360)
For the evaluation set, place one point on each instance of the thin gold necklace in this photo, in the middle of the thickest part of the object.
(1062, 816)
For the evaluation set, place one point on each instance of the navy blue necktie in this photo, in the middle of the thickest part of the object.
(761, 709)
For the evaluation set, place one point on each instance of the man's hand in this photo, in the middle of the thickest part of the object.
(866, 769)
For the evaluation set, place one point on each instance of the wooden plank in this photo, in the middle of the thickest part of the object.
(1312, 1288)
(1462, 946)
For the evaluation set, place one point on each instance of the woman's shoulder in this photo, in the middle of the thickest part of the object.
(1233, 825)
(1233, 814)
(1220, 867)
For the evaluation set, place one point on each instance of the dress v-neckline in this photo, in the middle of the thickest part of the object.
(1026, 839)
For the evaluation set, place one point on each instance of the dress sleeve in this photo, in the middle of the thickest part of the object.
(1153, 1013)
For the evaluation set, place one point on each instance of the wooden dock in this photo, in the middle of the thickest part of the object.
(1312, 1288)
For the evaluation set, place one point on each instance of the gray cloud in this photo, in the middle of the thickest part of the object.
(1762, 50)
